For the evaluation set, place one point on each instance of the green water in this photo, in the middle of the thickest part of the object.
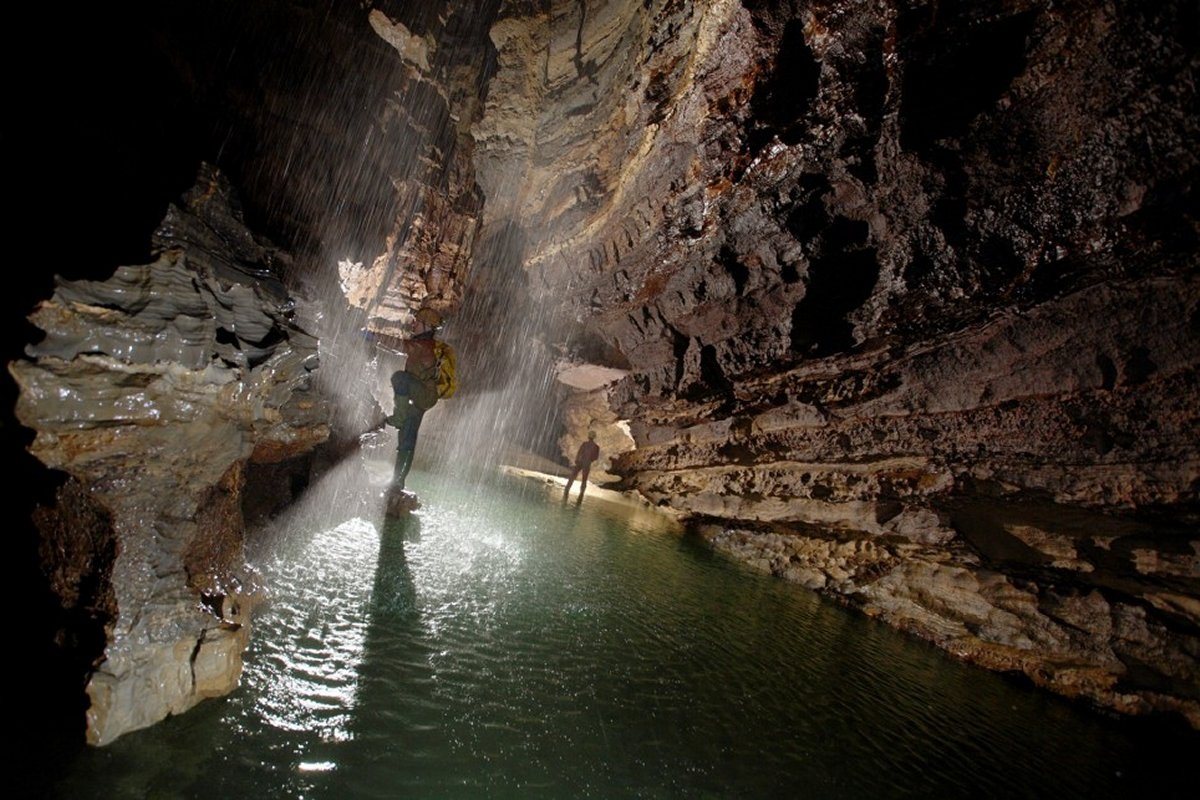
(501, 644)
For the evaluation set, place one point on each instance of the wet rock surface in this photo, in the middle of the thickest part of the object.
(154, 391)
(906, 293)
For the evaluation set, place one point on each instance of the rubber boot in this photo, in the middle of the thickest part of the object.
(404, 460)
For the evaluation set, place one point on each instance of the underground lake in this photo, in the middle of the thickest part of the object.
(499, 642)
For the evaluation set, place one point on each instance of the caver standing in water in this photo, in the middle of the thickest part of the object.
(588, 452)
(428, 375)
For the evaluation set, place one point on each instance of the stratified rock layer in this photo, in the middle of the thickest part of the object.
(153, 390)
(439, 70)
(907, 293)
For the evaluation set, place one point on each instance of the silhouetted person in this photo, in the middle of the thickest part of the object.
(428, 375)
(588, 452)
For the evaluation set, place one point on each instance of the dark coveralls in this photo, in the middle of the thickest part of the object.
(588, 452)
(416, 392)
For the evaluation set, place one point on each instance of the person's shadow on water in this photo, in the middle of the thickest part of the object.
(388, 668)
(394, 594)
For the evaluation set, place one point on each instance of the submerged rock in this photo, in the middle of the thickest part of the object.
(154, 390)
(400, 502)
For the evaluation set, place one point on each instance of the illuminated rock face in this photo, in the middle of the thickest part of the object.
(155, 391)
(433, 205)
(907, 297)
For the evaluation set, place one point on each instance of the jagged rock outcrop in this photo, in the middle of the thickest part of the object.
(155, 391)
(907, 294)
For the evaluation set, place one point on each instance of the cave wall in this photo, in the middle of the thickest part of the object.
(907, 295)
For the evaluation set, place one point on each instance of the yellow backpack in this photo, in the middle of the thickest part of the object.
(447, 379)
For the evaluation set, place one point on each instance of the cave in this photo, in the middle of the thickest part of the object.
(882, 318)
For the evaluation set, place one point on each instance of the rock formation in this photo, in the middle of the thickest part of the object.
(907, 295)
(155, 391)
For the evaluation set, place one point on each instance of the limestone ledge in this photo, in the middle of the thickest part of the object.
(167, 679)
(1075, 641)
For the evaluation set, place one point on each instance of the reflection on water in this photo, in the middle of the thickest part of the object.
(497, 643)
(307, 678)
